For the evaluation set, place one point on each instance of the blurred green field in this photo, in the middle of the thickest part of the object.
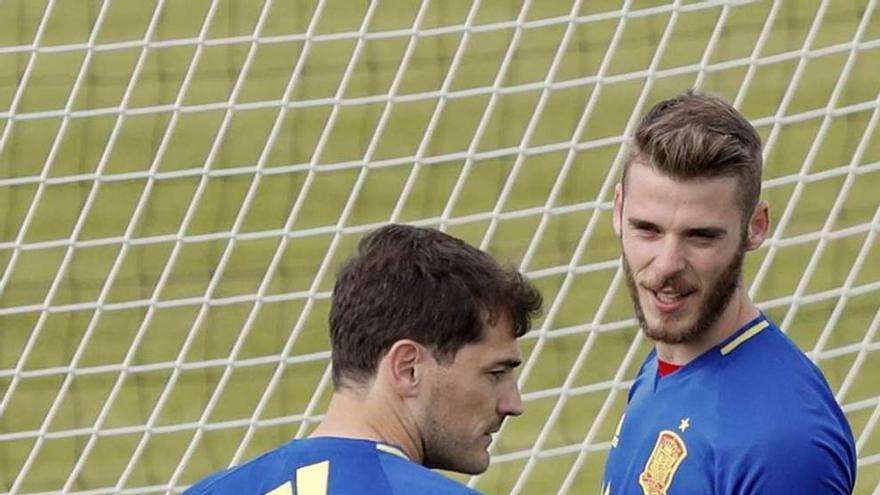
(178, 202)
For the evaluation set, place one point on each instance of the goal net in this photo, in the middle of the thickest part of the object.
(180, 179)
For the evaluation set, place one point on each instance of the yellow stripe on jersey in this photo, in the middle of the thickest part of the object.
(391, 450)
(312, 479)
(285, 489)
(751, 332)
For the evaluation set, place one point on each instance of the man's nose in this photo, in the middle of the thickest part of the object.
(511, 403)
(670, 259)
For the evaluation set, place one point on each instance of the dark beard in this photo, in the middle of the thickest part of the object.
(719, 297)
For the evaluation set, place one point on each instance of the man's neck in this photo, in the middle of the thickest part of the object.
(361, 414)
(738, 312)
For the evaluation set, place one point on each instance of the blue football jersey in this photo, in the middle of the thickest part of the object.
(330, 466)
(752, 416)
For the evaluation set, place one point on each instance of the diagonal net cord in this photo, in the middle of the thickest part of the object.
(175, 252)
(230, 246)
(558, 184)
(871, 424)
(569, 278)
(367, 159)
(485, 118)
(589, 439)
(276, 259)
(7, 131)
(771, 142)
(59, 276)
(419, 158)
(4, 139)
(117, 265)
(844, 193)
(125, 367)
(310, 178)
(862, 256)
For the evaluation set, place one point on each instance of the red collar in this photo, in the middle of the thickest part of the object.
(666, 368)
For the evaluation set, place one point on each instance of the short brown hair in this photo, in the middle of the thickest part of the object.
(422, 284)
(696, 135)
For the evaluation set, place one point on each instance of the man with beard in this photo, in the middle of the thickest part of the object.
(423, 334)
(725, 403)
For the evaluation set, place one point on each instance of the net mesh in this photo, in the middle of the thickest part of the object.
(181, 178)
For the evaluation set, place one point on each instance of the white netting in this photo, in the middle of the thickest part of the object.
(180, 179)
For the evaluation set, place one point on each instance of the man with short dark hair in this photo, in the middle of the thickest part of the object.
(725, 403)
(423, 330)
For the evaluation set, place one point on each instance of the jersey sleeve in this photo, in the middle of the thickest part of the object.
(795, 463)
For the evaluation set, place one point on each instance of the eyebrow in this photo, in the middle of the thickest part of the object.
(638, 223)
(707, 231)
(509, 363)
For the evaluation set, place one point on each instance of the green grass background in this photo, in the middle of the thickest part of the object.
(30, 151)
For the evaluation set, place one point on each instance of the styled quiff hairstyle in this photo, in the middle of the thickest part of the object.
(420, 284)
(700, 136)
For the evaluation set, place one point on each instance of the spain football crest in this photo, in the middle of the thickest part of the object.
(668, 453)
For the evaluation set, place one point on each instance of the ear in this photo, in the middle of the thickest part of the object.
(406, 363)
(618, 208)
(759, 226)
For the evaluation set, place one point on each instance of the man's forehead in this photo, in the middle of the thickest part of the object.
(648, 189)
(498, 343)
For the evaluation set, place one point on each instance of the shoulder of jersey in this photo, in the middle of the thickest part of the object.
(404, 474)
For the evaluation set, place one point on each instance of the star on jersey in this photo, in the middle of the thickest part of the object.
(684, 425)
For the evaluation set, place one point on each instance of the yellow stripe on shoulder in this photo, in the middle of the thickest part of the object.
(312, 479)
(391, 450)
(751, 332)
(285, 489)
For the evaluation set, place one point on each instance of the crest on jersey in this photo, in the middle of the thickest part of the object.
(668, 453)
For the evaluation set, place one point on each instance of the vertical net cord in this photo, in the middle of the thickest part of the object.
(755, 56)
(68, 255)
(744, 89)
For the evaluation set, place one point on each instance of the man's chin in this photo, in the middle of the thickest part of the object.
(467, 463)
(667, 332)
(475, 467)
(664, 335)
